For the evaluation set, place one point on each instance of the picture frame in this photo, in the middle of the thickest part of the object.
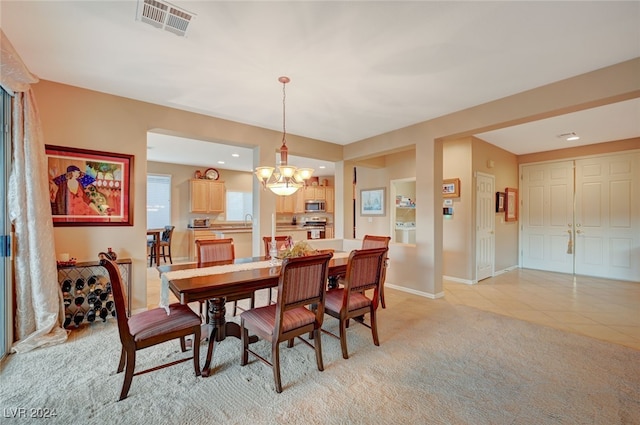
(500, 202)
(451, 188)
(89, 188)
(372, 202)
(511, 204)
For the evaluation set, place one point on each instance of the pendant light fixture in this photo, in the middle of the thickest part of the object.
(288, 179)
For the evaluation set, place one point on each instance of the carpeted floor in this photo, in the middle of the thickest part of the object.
(437, 364)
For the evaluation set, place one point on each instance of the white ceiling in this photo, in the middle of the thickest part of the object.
(357, 69)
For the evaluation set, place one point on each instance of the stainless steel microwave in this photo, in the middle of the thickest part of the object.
(314, 206)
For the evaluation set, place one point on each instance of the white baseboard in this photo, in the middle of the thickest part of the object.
(415, 292)
(458, 280)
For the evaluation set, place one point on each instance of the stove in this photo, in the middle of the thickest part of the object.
(315, 227)
(315, 222)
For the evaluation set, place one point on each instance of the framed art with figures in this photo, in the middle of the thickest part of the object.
(89, 188)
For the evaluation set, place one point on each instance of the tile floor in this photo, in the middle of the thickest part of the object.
(608, 310)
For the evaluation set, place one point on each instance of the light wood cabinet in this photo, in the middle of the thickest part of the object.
(287, 204)
(207, 196)
(298, 207)
(314, 193)
(330, 201)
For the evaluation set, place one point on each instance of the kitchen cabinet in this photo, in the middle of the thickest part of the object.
(314, 193)
(296, 234)
(330, 201)
(207, 196)
(287, 204)
(241, 240)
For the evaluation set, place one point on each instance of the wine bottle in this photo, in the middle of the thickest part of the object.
(80, 284)
(91, 315)
(66, 285)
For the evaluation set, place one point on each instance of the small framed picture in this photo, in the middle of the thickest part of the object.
(372, 202)
(500, 202)
(511, 204)
(451, 188)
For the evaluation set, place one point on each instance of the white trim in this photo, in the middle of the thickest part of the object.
(458, 280)
(414, 292)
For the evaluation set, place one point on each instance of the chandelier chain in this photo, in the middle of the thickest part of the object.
(284, 128)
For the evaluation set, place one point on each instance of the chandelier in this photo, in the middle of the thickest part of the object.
(288, 179)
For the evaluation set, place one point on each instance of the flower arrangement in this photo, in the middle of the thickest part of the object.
(299, 249)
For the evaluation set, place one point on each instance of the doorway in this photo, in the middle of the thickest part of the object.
(582, 216)
(485, 226)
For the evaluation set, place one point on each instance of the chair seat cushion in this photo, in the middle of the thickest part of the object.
(264, 318)
(151, 323)
(333, 300)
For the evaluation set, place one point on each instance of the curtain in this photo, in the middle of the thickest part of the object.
(39, 304)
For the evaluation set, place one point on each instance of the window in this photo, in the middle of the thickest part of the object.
(158, 200)
(239, 204)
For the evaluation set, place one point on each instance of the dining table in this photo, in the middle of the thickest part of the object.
(215, 283)
(156, 242)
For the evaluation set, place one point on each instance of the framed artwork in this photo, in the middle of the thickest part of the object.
(500, 202)
(511, 204)
(451, 188)
(372, 202)
(89, 188)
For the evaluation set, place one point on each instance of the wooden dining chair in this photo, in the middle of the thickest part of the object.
(164, 245)
(301, 283)
(280, 241)
(149, 328)
(370, 241)
(216, 252)
(364, 272)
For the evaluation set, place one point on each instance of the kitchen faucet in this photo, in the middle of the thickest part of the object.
(245, 219)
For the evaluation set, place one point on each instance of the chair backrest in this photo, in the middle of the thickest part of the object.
(364, 271)
(370, 241)
(167, 234)
(302, 282)
(215, 251)
(280, 240)
(119, 296)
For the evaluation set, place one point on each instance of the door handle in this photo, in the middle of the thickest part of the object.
(578, 231)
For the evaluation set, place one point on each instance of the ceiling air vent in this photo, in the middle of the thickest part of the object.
(165, 16)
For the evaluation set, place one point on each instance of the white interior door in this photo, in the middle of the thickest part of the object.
(485, 226)
(608, 216)
(547, 216)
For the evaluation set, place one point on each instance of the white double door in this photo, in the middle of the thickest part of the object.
(583, 216)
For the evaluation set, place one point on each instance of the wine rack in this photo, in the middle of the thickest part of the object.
(87, 294)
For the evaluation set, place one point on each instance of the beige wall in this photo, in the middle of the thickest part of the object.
(505, 171)
(458, 253)
(604, 86)
(595, 149)
(81, 118)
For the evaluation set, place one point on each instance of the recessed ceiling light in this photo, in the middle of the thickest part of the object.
(322, 166)
(569, 136)
(220, 162)
(235, 155)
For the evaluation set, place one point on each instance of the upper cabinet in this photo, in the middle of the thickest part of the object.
(330, 201)
(207, 196)
(315, 193)
(294, 204)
